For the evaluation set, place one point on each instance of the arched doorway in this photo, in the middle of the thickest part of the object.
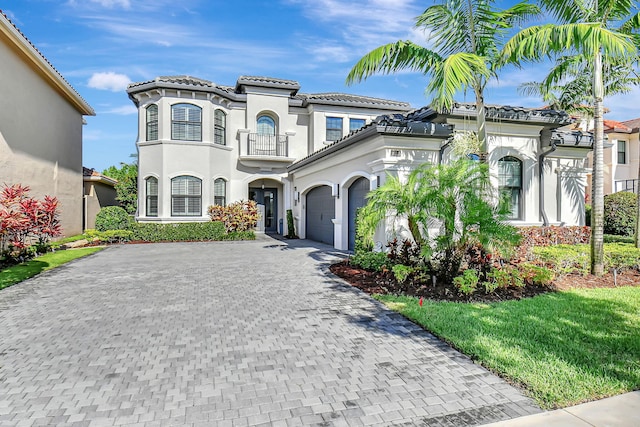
(357, 198)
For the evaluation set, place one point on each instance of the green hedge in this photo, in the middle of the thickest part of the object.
(620, 210)
(189, 231)
(113, 218)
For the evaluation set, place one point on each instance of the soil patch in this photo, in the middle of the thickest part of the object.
(385, 283)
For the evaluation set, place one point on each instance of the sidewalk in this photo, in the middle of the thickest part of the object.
(617, 411)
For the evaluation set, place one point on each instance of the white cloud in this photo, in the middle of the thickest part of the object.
(109, 81)
(112, 3)
(124, 110)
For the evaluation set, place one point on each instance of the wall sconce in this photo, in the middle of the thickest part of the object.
(296, 196)
(335, 190)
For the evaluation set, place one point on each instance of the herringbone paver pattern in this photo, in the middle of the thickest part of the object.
(226, 334)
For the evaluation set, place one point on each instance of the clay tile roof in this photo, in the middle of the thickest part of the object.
(266, 82)
(346, 98)
(633, 123)
(614, 126)
(85, 104)
(94, 175)
(182, 79)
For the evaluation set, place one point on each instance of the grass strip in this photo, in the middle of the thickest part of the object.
(564, 348)
(17, 273)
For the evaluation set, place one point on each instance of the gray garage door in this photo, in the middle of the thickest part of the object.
(321, 209)
(357, 199)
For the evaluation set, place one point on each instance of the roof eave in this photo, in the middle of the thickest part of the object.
(27, 51)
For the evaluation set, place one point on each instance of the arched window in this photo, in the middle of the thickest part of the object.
(186, 196)
(266, 125)
(186, 122)
(220, 192)
(220, 127)
(152, 196)
(510, 184)
(152, 122)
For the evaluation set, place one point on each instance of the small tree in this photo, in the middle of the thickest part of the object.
(127, 185)
(620, 213)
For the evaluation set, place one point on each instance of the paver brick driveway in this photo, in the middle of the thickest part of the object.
(230, 333)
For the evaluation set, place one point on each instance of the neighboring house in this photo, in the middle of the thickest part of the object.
(622, 156)
(331, 184)
(41, 119)
(201, 143)
(99, 191)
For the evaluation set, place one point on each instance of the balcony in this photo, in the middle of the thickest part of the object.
(264, 151)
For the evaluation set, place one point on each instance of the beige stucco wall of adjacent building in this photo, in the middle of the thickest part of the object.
(40, 129)
(40, 139)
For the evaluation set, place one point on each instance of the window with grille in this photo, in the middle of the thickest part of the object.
(334, 128)
(220, 127)
(186, 122)
(220, 192)
(622, 152)
(266, 125)
(510, 184)
(152, 122)
(186, 196)
(152, 196)
(355, 124)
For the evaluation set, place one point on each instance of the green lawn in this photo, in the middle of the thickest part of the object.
(17, 273)
(564, 347)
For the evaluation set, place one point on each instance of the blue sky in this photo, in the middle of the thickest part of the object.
(102, 45)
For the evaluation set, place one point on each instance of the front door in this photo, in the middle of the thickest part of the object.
(269, 198)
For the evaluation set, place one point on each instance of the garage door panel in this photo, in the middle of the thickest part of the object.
(320, 213)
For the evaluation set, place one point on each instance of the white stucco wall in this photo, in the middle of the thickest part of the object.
(208, 161)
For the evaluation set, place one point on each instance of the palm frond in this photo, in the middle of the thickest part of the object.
(456, 73)
(392, 57)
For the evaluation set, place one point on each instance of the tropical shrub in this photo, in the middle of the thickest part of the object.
(26, 221)
(536, 274)
(402, 272)
(621, 256)
(109, 236)
(457, 199)
(369, 260)
(535, 236)
(620, 211)
(238, 216)
(113, 218)
(504, 277)
(467, 282)
(564, 259)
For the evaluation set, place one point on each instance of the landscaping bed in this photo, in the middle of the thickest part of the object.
(384, 283)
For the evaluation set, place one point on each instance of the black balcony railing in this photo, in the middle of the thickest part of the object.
(267, 145)
(627, 185)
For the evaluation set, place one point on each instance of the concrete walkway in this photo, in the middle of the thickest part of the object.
(617, 411)
(227, 334)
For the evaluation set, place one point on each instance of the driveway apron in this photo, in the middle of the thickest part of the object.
(228, 334)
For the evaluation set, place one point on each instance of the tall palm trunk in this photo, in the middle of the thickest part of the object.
(481, 120)
(597, 212)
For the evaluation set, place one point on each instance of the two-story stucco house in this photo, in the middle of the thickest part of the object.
(622, 155)
(201, 143)
(320, 154)
(41, 119)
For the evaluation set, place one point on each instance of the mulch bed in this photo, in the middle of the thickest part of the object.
(384, 283)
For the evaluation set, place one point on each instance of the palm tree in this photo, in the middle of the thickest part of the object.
(585, 27)
(452, 197)
(467, 35)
